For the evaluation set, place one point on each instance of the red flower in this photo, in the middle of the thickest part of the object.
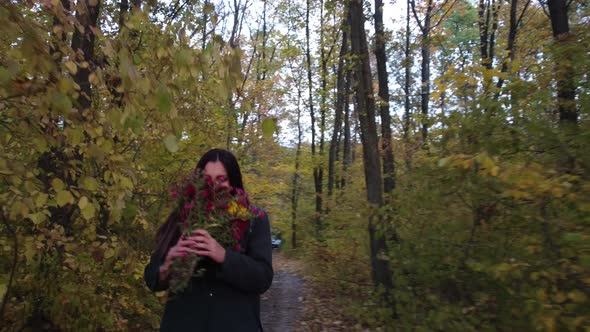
(185, 211)
(189, 191)
(205, 193)
(173, 192)
(210, 206)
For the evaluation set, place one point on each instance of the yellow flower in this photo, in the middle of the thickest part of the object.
(237, 211)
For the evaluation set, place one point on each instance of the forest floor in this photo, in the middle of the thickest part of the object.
(294, 303)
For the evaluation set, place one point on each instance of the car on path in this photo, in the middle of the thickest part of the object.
(276, 242)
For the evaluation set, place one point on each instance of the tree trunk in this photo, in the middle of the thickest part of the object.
(339, 105)
(564, 71)
(347, 153)
(425, 27)
(316, 173)
(488, 25)
(512, 31)
(83, 44)
(205, 19)
(123, 9)
(386, 139)
(295, 182)
(366, 111)
(407, 75)
(425, 72)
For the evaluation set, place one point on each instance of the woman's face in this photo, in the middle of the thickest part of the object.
(216, 171)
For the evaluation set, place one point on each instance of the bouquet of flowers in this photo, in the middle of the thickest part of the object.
(207, 205)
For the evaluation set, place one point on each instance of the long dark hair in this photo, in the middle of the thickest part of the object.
(169, 232)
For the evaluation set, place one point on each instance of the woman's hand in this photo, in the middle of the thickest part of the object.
(207, 246)
(180, 249)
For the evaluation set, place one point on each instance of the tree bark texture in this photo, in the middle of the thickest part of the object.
(387, 150)
(425, 27)
(372, 164)
(407, 74)
(339, 104)
(83, 44)
(564, 71)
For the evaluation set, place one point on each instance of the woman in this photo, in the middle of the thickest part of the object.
(227, 296)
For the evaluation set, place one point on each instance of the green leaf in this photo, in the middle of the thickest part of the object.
(163, 102)
(572, 237)
(61, 103)
(171, 143)
(4, 76)
(130, 211)
(585, 261)
(64, 197)
(269, 126)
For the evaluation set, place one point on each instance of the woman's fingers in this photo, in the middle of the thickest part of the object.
(200, 238)
(180, 252)
(186, 243)
(201, 232)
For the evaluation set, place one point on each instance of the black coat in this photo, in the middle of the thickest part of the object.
(227, 297)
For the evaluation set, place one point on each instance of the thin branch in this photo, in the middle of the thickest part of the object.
(445, 14)
(543, 3)
(413, 5)
(526, 5)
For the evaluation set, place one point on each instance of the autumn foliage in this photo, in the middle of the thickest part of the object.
(485, 223)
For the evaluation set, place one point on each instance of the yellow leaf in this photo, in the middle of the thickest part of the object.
(126, 183)
(41, 200)
(2, 291)
(549, 323)
(29, 249)
(83, 202)
(468, 163)
(171, 143)
(557, 192)
(18, 208)
(30, 186)
(93, 78)
(88, 211)
(57, 184)
(495, 170)
(37, 218)
(74, 135)
(64, 197)
(110, 252)
(560, 297)
(90, 183)
(577, 296)
(71, 66)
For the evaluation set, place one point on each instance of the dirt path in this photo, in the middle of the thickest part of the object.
(292, 304)
(281, 305)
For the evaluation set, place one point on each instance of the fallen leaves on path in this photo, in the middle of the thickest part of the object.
(320, 309)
